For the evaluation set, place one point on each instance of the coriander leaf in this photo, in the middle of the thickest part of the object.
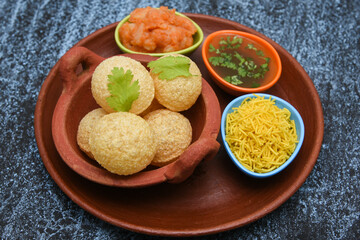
(228, 41)
(171, 67)
(264, 66)
(222, 41)
(242, 72)
(235, 40)
(255, 85)
(123, 91)
(229, 64)
(233, 80)
(212, 48)
(228, 79)
(235, 43)
(236, 46)
(260, 53)
(258, 75)
(240, 40)
(250, 64)
(216, 61)
(226, 56)
(240, 58)
(221, 48)
(251, 47)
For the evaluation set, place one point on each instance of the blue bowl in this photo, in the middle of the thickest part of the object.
(299, 124)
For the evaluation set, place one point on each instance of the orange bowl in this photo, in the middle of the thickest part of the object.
(266, 49)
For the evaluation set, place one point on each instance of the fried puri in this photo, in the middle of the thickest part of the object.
(123, 143)
(85, 128)
(99, 83)
(181, 93)
(173, 134)
(155, 105)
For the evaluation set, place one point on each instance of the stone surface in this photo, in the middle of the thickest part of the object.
(324, 37)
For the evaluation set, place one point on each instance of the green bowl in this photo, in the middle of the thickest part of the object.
(198, 38)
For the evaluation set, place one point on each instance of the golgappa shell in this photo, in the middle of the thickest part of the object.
(86, 126)
(173, 134)
(99, 82)
(181, 93)
(123, 143)
(155, 105)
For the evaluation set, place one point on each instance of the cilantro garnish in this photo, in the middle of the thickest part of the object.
(212, 48)
(228, 56)
(251, 47)
(170, 67)
(233, 80)
(123, 91)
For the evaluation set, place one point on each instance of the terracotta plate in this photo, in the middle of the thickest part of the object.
(217, 197)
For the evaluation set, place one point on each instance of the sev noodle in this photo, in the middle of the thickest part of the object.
(261, 135)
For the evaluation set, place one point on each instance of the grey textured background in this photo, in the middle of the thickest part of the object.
(324, 36)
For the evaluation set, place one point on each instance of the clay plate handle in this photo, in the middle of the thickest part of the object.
(205, 147)
(70, 62)
(75, 69)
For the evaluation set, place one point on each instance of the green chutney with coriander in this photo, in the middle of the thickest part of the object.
(239, 60)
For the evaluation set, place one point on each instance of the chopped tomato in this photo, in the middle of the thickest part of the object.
(156, 30)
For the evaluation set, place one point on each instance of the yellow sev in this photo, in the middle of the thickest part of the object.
(261, 135)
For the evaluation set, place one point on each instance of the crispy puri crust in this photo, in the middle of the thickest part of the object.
(173, 134)
(123, 143)
(181, 93)
(85, 128)
(99, 83)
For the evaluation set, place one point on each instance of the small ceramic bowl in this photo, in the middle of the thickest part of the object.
(76, 101)
(198, 38)
(270, 78)
(300, 129)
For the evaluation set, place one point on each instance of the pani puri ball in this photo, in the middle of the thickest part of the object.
(85, 128)
(155, 105)
(123, 143)
(181, 93)
(173, 134)
(99, 82)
